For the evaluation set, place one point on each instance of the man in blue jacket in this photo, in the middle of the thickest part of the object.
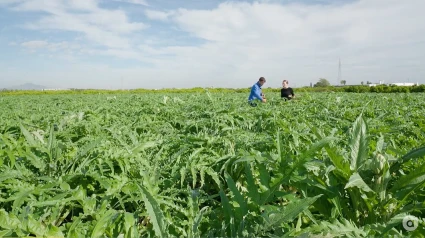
(256, 92)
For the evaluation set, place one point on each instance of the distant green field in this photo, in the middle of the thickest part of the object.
(209, 165)
(348, 89)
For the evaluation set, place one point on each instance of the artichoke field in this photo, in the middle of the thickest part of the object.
(210, 165)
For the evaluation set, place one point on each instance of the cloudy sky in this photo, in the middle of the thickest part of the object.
(192, 43)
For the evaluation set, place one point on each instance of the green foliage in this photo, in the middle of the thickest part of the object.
(321, 86)
(322, 83)
(365, 89)
(203, 164)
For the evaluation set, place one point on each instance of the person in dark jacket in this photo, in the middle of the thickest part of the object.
(286, 92)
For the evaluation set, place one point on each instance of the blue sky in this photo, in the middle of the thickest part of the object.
(202, 43)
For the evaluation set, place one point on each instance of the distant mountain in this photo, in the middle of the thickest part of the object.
(28, 86)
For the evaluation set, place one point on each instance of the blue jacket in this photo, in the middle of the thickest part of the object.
(255, 92)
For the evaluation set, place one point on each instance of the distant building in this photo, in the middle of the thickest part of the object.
(404, 84)
(381, 82)
(394, 84)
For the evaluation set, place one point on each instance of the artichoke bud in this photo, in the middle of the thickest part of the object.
(378, 163)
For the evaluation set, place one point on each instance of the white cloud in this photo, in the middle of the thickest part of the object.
(376, 39)
(68, 51)
(301, 42)
(139, 2)
(103, 27)
(51, 46)
(158, 15)
(34, 44)
(8, 2)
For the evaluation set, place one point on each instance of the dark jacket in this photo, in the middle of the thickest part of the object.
(285, 92)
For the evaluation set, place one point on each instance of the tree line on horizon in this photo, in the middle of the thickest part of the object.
(305, 89)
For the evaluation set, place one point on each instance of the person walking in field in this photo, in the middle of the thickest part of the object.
(256, 92)
(286, 92)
